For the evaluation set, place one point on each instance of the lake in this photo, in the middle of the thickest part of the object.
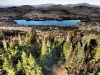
(48, 22)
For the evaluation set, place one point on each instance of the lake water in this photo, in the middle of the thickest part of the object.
(48, 22)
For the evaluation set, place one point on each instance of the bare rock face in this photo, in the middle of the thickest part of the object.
(59, 69)
(64, 72)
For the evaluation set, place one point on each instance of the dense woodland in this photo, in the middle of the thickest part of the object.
(60, 51)
(78, 54)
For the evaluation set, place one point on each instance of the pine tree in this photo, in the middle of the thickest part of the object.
(28, 39)
(24, 61)
(1, 56)
(19, 39)
(12, 51)
(44, 48)
(12, 72)
(7, 66)
(31, 65)
(69, 62)
(24, 58)
(67, 51)
(97, 54)
(1, 36)
(5, 44)
(38, 70)
(31, 60)
(80, 54)
(19, 66)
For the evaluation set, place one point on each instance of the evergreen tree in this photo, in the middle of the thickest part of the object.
(8, 67)
(12, 51)
(12, 72)
(38, 70)
(24, 59)
(19, 66)
(97, 54)
(30, 66)
(5, 44)
(44, 48)
(67, 51)
(19, 39)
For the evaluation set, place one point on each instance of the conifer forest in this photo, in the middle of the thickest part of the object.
(67, 52)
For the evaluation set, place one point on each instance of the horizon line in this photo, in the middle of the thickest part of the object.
(52, 4)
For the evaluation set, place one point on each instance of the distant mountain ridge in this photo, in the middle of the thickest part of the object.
(85, 4)
(51, 12)
(49, 5)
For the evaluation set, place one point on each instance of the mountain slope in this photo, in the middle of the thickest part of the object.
(52, 11)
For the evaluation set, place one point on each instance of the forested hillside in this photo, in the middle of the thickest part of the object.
(74, 53)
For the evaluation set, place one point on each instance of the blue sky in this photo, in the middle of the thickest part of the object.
(36, 2)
